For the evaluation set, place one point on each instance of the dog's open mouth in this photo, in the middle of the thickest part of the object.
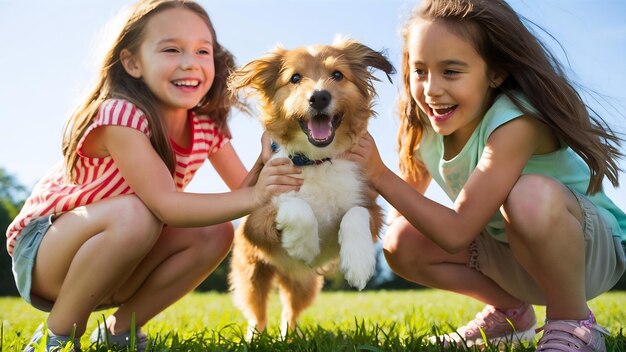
(320, 129)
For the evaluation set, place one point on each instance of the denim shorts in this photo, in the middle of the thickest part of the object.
(23, 260)
(605, 261)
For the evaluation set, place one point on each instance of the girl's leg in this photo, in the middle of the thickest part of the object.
(416, 258)
(546, 237)
(179, 261)
(86, 255)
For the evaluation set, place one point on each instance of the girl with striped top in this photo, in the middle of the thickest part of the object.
(111, 226)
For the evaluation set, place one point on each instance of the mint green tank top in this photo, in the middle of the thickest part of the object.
(563, 165)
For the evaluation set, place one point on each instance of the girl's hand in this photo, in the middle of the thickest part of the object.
(366, 154)
(277, 176)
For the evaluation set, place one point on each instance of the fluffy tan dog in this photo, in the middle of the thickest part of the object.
(316, 101)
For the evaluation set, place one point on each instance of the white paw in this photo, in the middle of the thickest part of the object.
(300, 238)
(253, 329)
(357, 255)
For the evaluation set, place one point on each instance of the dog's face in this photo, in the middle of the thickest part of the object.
(315, 100)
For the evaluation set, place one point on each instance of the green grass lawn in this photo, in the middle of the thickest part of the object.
(338, 321)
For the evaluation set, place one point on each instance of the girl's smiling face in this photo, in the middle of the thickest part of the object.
(449, 80)
(175, 59)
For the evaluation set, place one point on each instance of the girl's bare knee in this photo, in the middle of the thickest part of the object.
(223, 237)
(534, 204)
(402, 251)
(214, 241)
(391, 243)
(136, 221)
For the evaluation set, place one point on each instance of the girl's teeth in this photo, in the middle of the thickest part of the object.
(186, 83)
(442, 110)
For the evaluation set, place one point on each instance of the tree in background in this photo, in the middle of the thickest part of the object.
(12, 196)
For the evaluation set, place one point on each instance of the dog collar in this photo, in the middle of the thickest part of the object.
(299, 159)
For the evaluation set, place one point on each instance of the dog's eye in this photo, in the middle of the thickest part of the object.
(337, 76)
(295, 78)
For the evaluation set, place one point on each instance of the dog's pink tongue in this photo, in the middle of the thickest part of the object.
(320, 129)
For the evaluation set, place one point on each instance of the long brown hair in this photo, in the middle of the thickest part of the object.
(114, 82)
(506, 45)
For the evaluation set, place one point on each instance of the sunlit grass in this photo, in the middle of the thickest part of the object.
(338, 321)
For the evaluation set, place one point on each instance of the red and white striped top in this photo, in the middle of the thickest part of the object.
(99, 178)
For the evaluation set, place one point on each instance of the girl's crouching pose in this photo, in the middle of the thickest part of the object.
(488, 114)
(112, 226)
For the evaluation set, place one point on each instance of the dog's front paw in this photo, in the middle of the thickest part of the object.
(357, 256)
(296, 220)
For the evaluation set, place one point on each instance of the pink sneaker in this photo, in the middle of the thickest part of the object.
(573, 335)
(511, 327)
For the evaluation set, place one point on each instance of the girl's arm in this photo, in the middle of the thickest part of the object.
(227, 164)
(419, 185)
(150, 179)
(230, 168)
(506, 153)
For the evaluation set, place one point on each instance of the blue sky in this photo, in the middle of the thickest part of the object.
(51, 54)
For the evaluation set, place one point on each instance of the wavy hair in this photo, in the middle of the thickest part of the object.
(114, 82)
(500, 37)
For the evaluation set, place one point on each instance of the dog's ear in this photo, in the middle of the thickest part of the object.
(259, 74)
(367, 56)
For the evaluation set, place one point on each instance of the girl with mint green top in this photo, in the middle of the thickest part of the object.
(487, 113)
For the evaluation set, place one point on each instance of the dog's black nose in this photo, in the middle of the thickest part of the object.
(319, 100)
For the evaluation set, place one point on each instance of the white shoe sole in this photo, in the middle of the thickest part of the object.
(513, 339)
